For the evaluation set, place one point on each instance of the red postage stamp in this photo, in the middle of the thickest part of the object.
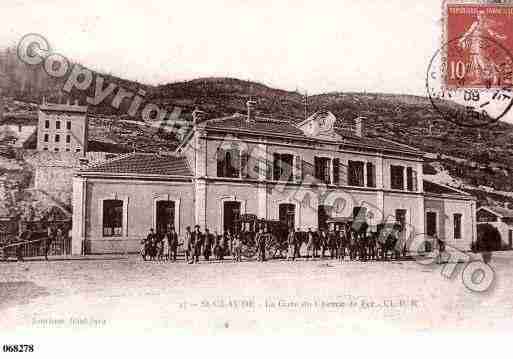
(479, 45)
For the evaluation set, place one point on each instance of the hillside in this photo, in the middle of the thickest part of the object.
(471, 157)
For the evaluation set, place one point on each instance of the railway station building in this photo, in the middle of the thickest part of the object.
(302, 173)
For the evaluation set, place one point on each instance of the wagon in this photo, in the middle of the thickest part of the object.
(248, 225)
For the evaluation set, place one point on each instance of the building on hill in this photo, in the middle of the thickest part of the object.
(301, 174)
(62, 128)
(500, 218)
(19, 129)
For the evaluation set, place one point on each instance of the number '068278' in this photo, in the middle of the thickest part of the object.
(18, 348)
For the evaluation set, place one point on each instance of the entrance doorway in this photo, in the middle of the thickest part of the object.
(431, 227)
(323, 214)
(231, 212)
(165, 216)
(510, 239)
(287, 214)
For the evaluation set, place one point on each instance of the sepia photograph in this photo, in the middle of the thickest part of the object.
(241, 168)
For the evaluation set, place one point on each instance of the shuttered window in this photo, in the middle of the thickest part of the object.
(228, 163)
(355, 173)
(336, 171)
(397, 177)
(283, 167)
(371, 175)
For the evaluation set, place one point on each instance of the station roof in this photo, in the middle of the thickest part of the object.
(168, 165)
(275, 128)
(497, 210)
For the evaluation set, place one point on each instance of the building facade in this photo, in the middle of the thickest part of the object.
(62, 128)
(301, 173)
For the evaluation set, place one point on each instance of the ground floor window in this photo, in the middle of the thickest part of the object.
(231, 214)
(323, 214)
(400, 217)
(112, 217)
(431, 223)
(165, 216)
(457, 225)
(287, 214)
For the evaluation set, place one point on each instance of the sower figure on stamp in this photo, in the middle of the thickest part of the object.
(481, 61)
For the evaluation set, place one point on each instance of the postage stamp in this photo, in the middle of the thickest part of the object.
(478, 55)
(474, 64)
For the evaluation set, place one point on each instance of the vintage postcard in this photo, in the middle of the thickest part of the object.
(254, 168)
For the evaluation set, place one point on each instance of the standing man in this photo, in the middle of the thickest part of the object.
(173, 244)
(323, 242)
(343, 242)
(237, 248)
(291, 239)
(332, 243)
(439, 242)
(209, 243)
(298, 242)
(260, 241)
(310, 245)
(197, 239)
(52, 233)
(187, 244)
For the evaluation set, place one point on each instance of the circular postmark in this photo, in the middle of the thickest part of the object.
(469, 81)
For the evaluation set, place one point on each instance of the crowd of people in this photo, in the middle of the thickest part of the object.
(339, 243)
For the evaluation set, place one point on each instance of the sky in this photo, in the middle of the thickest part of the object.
(314, 46)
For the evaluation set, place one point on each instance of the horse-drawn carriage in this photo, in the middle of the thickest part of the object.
(248, 225)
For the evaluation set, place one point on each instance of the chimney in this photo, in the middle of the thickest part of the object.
(358, 126)
(251, 111)
(198, 116)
